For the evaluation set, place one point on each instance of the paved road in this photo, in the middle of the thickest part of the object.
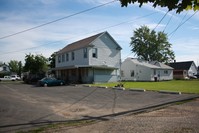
(25, 106)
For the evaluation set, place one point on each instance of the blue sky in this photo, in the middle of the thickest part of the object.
(19, 15)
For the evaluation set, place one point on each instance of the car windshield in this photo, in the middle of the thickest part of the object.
(48, 79)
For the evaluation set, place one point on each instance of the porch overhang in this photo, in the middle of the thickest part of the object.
(85, 66)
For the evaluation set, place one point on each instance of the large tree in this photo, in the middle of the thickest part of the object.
(151, 46)
(178, 5)
(35, 64)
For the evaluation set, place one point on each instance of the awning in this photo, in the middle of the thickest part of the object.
(84, 66)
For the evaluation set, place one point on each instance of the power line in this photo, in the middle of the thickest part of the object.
(168, 22)
(57, 20)
(172, 33)
(161, 20)
(111, 26)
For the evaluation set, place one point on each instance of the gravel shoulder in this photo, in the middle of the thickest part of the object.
(181, 118)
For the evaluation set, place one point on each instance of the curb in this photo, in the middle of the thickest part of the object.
(87, 85)
(139, 90)
(170, 92)
(102, 87)
(119, 88)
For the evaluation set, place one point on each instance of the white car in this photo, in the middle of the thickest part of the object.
(15, 77)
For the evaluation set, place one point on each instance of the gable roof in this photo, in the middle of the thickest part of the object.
(152, 64)
(159, 64)
(82, 43)
(181, 65)
(142, 63)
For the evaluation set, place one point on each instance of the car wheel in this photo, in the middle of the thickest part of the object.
(45, 85)
(61, 83)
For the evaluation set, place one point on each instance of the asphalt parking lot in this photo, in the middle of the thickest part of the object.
(25, 106)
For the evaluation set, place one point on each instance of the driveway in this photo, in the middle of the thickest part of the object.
(25, 106)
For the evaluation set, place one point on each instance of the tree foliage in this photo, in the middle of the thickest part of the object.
(35, 64)
(178, 5)
(151, 46)
(15, 66)
(52, 60)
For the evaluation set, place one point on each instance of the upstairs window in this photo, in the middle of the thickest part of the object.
(94, 52)
(63, 57)
(73, 56)
(59, 58)
(85, 52)
(67, 57)
(4, 69)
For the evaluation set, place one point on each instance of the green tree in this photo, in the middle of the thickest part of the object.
(20, 68)
(52, 60)
(35, 64)
(151, 46)
(178, 5)
(14, 66)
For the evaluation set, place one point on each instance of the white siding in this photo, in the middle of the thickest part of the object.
(143, 72)
(193, 70)
(78, 60)
(107, 52)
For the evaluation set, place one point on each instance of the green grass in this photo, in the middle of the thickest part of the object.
(185, 86)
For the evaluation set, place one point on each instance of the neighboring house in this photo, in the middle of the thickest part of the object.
(138, 70)
(4, 68)
(182, 70)
(93, 59)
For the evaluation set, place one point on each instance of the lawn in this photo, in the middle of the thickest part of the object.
(185, 86)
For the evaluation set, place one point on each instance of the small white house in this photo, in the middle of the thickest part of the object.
(138, 70)
(4, 68)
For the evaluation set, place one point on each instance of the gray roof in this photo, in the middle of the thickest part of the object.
(159, 64)
(152, 64)
(182, 65)
(86, 42)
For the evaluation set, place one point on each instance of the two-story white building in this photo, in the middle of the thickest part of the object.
(90, 60)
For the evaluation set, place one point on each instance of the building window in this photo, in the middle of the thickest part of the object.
(59, 58)
(165, 71)
(132, 73)
(73, 56)
(85, 52)
(63, 57)
(4, 69)
(94, 52)
(67, 57)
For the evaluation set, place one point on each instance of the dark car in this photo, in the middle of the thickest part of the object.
(50, 82)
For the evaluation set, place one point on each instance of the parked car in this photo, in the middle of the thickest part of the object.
(16, 77)
(197, 75)
(7, 78)
(192, 77)
(50, 82)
